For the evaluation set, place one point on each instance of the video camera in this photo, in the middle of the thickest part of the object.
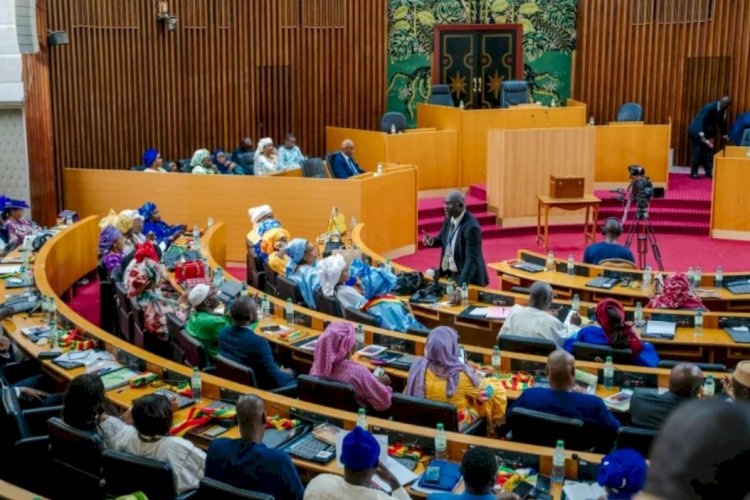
(641, 190)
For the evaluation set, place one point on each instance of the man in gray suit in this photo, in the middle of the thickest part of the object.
(649, 409)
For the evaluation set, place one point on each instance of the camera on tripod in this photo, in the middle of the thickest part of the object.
(641, 190)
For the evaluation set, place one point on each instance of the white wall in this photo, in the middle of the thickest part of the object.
(14, 160)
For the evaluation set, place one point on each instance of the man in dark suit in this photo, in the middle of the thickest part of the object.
(703, 131)
(343, 165)
(649, 409)
(460, 239)
(249, 464)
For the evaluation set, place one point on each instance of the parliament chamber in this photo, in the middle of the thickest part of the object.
(330, 249)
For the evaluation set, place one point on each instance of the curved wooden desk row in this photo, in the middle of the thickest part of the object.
(70, 255)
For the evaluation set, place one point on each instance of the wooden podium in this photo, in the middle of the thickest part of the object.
(730, 202)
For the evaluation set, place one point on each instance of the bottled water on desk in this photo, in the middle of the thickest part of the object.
(441, 443)
(464, 295)
(576, 305)
(719, 278)
(196, 236)
(393, 128)
(638, 314)
(609, 373)
(558, 462)
(195, 384)
(360, 335)
(647, 276)
(362, 419)
(691, 276)
(353, 222)
(699, 322)
(380, 169)
(697, 277)
(449, 289)
(388, 265)
(289, 311)
(218, 277)
(265, 307)
(550, 261)
(496, 360)
(461, 104)
(709, 387)
(571, 265)
(209, 222)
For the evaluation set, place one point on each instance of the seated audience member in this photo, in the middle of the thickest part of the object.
(623, 474)
(649, 409)
(27, 390)
(609, 248)
(226, 166)
(152, 223)
(564, 399)
(536, 321)
(614, 331)
(203, 324)
(153, 162)
(390, 311)
(301, 269)
(738, 387)
(263, 220)
(17, 226)
(202, 163)
(274, 241)
(170, 166)
(135, 234)
(676, 295)
(240, 343)
(266, 160)
(359, 455)
(702, 452)
(479, 469)
(244, 155)
(111, 246)
(741, 123)
(149, 437)
(124, 224)
(331, 361)
(343, 164)
(86, 408)
(249, 464)
(290, 155)
(441, 376)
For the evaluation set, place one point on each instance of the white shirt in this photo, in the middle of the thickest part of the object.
(157, 171)
(264, 165)
(449, 262)
(349, 297)
(536, 324)
(187, 461)
(332, 487)
(203, 170)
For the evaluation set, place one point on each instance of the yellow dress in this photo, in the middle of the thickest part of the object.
(469, 397)
(278, 264)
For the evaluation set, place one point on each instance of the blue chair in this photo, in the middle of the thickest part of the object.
(630, 112)
(441, 95)
(745, 138)
(514, 92)
(393, 118)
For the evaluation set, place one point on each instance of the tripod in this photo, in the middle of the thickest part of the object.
(643, 229)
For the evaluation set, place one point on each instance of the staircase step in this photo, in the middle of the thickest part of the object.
(433, 207)
(478, 191)
(433, 224)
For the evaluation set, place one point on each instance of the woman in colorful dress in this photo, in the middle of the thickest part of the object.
(163, 232)
(303, 258)
(111, 245)
(17, 226)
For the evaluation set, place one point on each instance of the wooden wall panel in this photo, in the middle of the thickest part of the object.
(232, 68)
(643, 51)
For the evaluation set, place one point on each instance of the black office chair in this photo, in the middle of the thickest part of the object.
(427, 413)
(536, 427)
(237, 372)
(745, 141)
(393, 119)
(630, 112)
(139, 334)
(635, 438)
(211, 489)
(287, 289)
(125, 473)
(357, 316)
(327, 392)
(138, 168)
(76, 460)
(256, 274)
(327, 305)
(594, 352)
(418, 330)
(270, 284)
(526, 345)
(183, 166)
(194, 352)
(124, 314)
(314, 168)
(107, 301)
(513, 93)
(441, 95)
(706, 367)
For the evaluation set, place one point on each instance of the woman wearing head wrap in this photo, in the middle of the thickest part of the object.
(623, 474)
(111, 244)
(153, 162)
(135, 235)
(301, 268)
(202, 163)
(441, 376)
(163, 232)
(17, 226)
(273, 249)
(226, 166)
(331, 362)
(263, 220)
(266, 160)
(614, 331)
(676, 295)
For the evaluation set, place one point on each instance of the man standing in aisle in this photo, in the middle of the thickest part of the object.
(461, 242)
(703, 131)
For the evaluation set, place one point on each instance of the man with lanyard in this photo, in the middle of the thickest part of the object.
(461, 241)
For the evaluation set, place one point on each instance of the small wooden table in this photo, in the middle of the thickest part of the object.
(588, 202)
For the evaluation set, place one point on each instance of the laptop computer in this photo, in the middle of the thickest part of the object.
(664, 330)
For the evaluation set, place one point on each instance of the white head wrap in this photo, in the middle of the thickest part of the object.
(262, 144)
(131, 214)
(257, 213)
(198, 294)
(329, 272)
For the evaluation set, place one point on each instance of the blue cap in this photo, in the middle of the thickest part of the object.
(624, 472)
(360, 450)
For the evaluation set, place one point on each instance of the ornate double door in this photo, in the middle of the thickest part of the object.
(474, 60)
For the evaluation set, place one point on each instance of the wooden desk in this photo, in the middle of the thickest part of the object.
(589, 202)
(621, 144)
(730, 203)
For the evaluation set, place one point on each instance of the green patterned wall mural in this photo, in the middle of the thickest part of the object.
(549, 30)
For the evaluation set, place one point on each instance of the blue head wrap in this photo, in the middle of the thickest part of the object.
(624, 472)
(266, 225)
(149, 156)
(375, 281)
(10, 203)
(295, 250)
(107, 238)
(147, 209)
(360, 450)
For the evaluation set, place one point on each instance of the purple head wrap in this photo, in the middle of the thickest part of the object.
(107, 238)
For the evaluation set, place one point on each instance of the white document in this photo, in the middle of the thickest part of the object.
(661, 327)
(480, 312)
(583, 491)
(9, 269)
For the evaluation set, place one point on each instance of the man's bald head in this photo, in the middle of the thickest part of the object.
(561, 368)
(612, 228)
(243, 311)
(685, 380)
(541, 295)
(725, 101)
(454, 204)
(251, 415)
(347, 147)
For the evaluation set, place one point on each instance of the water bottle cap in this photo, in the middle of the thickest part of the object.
(440, 426)
(710, 377)
(560, 443)
(361, 411)
(609, 359)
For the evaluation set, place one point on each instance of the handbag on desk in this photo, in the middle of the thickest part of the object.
(337, 222)
(188, 269)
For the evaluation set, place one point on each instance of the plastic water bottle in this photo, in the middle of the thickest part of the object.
(553, 103)
(719, 277)
(388, 265)
(289, 311)
(265, 307)
(196, 233)
(609, 373)
(638, 314)
(591, 121)
(698, 277)
(699, 322)
(69, 220)
(353, 222)
(360, 334)
(496, 360)
(461, 105)
(210, 221)
(380, 169)
(244, 288)
(441, 443)
(709, 387)
(571, 265)
(558, 462)
(218, 277)
(576, 305)
(449, 289)
(691, 276)
(362, 419)
(195, 384)
(550, 261)
(464, 295)
(393, 128)
(646, 277)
